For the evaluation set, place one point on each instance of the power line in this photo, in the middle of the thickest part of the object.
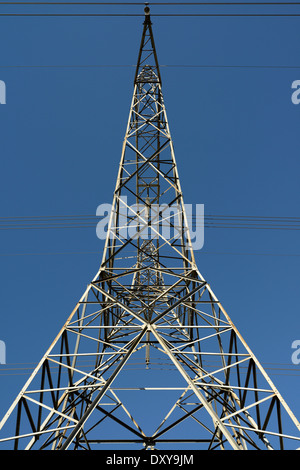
(211, 4)
(224, 226)
(211, 216)
(153, 3)
(207, 226)
(77, 3)
(202, 253)
(191, 15)
(129, 367)
(210, 221)
(161, 66)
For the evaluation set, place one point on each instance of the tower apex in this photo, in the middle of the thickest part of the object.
(147, 12)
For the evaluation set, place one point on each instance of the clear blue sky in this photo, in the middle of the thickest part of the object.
(236, 136)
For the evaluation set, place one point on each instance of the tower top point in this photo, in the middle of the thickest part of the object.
(147, 10)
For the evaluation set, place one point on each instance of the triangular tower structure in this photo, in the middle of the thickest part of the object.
(149, 358)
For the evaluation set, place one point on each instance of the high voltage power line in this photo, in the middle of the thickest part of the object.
(165, 4)
(210, 221)
(202, 253)
(153, 3)
(195, 4)
(191, 15)
(162, 66)
(275, 367)
(90, 221)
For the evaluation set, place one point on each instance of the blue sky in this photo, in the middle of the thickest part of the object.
(236, 137)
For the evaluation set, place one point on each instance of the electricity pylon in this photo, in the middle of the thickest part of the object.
(149, 305)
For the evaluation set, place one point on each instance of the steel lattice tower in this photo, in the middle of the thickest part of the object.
(148, 301)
